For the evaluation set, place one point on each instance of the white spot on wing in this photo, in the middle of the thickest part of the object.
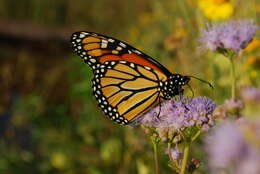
(122, 44)
(104, 41)
(103, 45)
(111, 40)
(132, 65)
(93, 60)
(118, 48)
(112, 63)
(148, 68)
(136, 51)
(82, 35)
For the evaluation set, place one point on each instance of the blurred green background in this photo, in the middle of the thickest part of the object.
(50, 122)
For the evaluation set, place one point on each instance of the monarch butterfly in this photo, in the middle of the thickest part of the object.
(127, 82)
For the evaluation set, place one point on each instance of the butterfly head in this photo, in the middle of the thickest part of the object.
(173, 86)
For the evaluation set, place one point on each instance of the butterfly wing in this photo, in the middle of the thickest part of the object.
(125, 90)
(96, 49)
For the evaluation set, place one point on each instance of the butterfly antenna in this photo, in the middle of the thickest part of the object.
(204, 81)
(191, 90)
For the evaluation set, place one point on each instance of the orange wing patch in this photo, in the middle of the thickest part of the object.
(153, 101)
(130, 106)
(117, 98)
(96, 52)
(107, 58)
(139, 60)
(161, 76)
(127, 69)
(117, 74)
(109, 81)
(146, 73)
(132, 57)
(139, 83)
(91, 39)
(110, 90)
(91, 46)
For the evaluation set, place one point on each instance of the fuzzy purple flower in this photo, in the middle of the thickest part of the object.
(234, 35)
(228, 150)
(251, 94)
(181, 114)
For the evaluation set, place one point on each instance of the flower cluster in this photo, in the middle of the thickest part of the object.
(234, 35)
(229, 150)
(181, 114)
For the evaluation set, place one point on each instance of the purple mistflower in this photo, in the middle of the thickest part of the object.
(234, 35)
(182, 113)
(228, 150)
(251, 94)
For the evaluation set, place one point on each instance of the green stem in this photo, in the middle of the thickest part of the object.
(196, 136)
(233, 74)
(156, 159)
(185, 158)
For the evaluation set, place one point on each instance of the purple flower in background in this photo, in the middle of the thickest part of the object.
(233, 105)
(250, 163)
(225, 145)
(183, 113)
(228, 150)
(234, 35)
(251, 94)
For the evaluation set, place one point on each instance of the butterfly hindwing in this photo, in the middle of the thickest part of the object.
(125, 90)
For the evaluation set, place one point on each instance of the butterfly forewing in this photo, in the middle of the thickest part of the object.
(96, 49)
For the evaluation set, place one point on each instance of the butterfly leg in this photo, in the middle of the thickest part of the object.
(158, 115)
(181, 91)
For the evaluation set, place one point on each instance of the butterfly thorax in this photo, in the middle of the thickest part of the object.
(173, 85)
